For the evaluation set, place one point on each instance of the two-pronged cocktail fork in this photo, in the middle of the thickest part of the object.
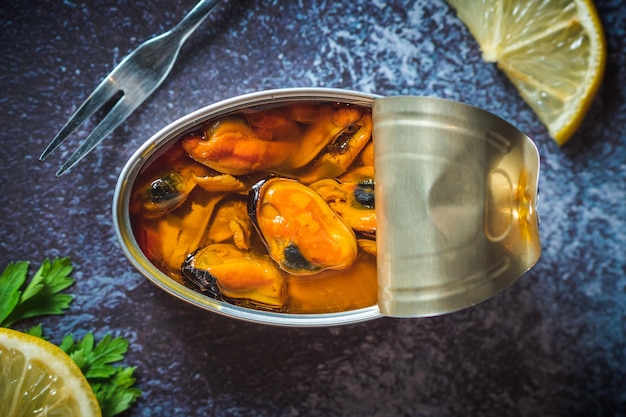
(133, 80)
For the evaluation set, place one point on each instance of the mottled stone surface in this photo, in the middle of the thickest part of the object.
(553, 344)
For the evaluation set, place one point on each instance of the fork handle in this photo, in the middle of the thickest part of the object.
(192, 20)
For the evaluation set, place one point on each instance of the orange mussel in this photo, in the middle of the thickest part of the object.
(231, 146)
(302, 234)
(352, 198)
(225, 271)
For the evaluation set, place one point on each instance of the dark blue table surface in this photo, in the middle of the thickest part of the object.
(553, 344)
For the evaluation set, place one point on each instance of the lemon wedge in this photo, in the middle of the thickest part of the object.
(553, 51)
(38, 379)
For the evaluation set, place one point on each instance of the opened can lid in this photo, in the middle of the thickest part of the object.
(456, 189)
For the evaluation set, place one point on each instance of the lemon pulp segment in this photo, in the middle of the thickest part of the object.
(554, 53)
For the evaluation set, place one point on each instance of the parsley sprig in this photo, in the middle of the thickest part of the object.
(42, 295)
(113, 385)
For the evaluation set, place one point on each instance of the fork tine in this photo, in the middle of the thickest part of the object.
(103, 93)
(114, 118)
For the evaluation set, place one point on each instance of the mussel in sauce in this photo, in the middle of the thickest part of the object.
(170, 238)
(301, 232)
(340, 153)
(220, 183)
(163, 193)
(352, 197)
(230, 222)
(367, 244)
(274, 141)
(231, 146)
(222, 270)
(328, 124)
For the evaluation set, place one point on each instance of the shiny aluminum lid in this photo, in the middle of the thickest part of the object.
(456, 188)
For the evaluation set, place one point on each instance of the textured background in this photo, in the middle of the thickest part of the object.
(553, 344)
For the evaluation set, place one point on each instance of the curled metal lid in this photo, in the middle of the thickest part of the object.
(456, 189)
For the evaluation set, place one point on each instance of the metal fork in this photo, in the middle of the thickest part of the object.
(133, 80)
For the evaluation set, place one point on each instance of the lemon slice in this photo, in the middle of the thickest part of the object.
(553, 51)
(38, 379)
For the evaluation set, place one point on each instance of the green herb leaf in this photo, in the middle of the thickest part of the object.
(118, 394)
(36, 331)
(42, 294)
(113, 385)
(11, 281)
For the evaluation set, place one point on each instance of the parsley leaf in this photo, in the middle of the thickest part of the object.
(41, 295)
(118, 393)
(113, 385)
(36, 331)
(11, 280)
